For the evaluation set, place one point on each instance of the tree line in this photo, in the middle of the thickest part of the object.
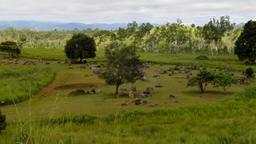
(218, 36)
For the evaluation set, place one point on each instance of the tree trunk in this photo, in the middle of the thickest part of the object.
(117, 90)
(201, 86)
(81, 60)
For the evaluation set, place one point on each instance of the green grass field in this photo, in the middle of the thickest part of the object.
(20, 82)
(51, 115)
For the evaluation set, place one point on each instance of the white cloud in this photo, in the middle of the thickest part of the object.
(112, 11)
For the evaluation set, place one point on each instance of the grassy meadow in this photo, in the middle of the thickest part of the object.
(51, 115)
(19, 83)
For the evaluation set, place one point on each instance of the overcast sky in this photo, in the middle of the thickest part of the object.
(123, 11)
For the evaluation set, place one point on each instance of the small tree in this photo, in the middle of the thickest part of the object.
(201, 80)
(11, 48)
(123, 65)
(223, 80)
(80, 46)
(249, 73)
(245, 46)
(2, 122)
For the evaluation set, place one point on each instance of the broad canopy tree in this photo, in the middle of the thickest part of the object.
(123, 65)
(80, 46)
(245, 46)
(201, 80)
(217, 79)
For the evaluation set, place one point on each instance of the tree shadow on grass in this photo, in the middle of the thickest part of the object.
(208, 93)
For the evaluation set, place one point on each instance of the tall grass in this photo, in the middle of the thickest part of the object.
(232, 121)
(17, 82)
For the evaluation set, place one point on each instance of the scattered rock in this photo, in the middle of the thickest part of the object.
(132, 94)
(77, 92)
(172, 96)
(28, 63)
(144, 78)
(93, 91)
(158, 85)
(147, 65)
(124, 104)
(148, 92)
(2, 102)
(138, 101)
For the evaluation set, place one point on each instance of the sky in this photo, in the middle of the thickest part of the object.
(123, 11)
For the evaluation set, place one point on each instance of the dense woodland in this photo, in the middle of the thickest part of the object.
(218, 36)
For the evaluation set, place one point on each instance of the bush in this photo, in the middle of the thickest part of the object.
(249, 73)
(202, 57)
(2, 122)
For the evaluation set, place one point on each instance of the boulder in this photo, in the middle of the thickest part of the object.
(132, 94)
(124, 104)
(148, 92)
(78, 92)
(138, 101)
(158, 85)
(93, 91)
(172, 96)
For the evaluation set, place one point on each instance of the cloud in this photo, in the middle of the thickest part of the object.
(122, 11)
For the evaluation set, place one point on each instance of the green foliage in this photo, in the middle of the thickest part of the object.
(217, 79)
(123, 65)
(172, 38)
(2, 122)
(249, 73)
(215, 29)
(80, 46)
(223, 80)
(245, 46)
(201, 80)
(11, 48)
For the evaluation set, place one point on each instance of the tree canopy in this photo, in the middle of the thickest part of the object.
(80, 46)
(123, 65)
(245, 46)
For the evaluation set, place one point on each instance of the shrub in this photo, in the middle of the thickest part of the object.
(249, 73)
(202, 57)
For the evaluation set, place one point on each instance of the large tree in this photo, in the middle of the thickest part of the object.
(245, 47)
(80, 46)
(123, 65)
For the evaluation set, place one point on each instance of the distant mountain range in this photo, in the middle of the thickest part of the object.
(45, 26)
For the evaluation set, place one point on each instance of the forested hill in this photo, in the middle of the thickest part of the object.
(47, 26)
